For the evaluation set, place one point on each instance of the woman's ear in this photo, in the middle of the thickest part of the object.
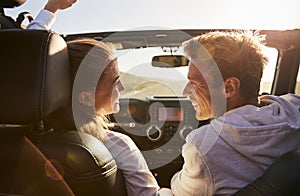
(86, 98)
(232, 86)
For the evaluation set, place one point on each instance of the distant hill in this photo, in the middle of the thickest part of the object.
(140, 87)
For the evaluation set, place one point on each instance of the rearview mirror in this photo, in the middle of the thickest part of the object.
(169, 61)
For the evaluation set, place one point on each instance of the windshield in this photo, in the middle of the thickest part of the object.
(141, 79)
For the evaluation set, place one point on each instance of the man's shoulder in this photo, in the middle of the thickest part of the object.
(293, 98)
(206, 136)
(198, 132)
(290, 96)
(287, 97)
(288, 101)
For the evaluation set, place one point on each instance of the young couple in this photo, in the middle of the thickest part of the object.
(224, 76)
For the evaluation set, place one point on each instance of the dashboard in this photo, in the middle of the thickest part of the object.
(158, 125)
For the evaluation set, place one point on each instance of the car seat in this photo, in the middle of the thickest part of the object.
(35, 83)
(282, 178)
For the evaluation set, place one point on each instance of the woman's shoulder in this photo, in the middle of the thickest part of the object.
(120, 139)
(114, 134)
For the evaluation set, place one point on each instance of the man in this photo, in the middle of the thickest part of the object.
(247, 132)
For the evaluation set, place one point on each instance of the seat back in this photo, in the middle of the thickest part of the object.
(26, 171)
(282, 178)
(35, 160)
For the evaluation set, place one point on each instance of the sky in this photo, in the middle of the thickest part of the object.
(112, 15)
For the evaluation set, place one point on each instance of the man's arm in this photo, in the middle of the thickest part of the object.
(46, 17)
(194, 178)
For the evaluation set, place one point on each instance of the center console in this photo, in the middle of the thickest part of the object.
(158, 126)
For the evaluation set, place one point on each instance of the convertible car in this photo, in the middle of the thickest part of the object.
(153, 111)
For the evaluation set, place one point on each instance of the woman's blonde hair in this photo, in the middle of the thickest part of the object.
(90, 60)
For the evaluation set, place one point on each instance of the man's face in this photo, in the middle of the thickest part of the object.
(198, 92)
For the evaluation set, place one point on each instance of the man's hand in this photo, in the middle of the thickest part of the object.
(54, 5)
(284, 40)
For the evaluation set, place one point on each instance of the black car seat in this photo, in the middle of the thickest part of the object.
(35, 83)
(7, 22)
(282, 178)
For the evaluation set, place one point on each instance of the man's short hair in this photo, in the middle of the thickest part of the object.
(237, 54)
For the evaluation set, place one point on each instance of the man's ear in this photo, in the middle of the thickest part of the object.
(232, 86)
(86, 98)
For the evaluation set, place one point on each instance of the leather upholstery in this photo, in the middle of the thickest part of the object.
(26, 171)
(36, 75)
(85, 163)
(35, 83)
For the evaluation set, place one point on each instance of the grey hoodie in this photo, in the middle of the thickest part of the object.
(236, 148)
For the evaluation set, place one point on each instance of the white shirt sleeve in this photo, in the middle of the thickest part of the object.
(44, 20)
(194, 178)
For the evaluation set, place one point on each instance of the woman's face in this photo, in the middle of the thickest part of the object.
(108, 90)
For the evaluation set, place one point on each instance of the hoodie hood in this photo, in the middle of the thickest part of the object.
(253, 127)
(278, 113)
(254, 131)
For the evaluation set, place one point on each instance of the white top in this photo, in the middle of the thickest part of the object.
(233, 150)
(138, 178)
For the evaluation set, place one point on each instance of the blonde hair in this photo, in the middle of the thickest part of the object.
(237, 54)
(92, 59)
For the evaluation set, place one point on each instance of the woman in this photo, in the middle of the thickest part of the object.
(96, 88)
(96, 91)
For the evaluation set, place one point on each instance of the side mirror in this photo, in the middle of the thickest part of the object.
(169, 61)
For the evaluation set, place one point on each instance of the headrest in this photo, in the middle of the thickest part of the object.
(34, 74)
(11, 3)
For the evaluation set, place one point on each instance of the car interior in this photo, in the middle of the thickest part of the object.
(38, 160)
